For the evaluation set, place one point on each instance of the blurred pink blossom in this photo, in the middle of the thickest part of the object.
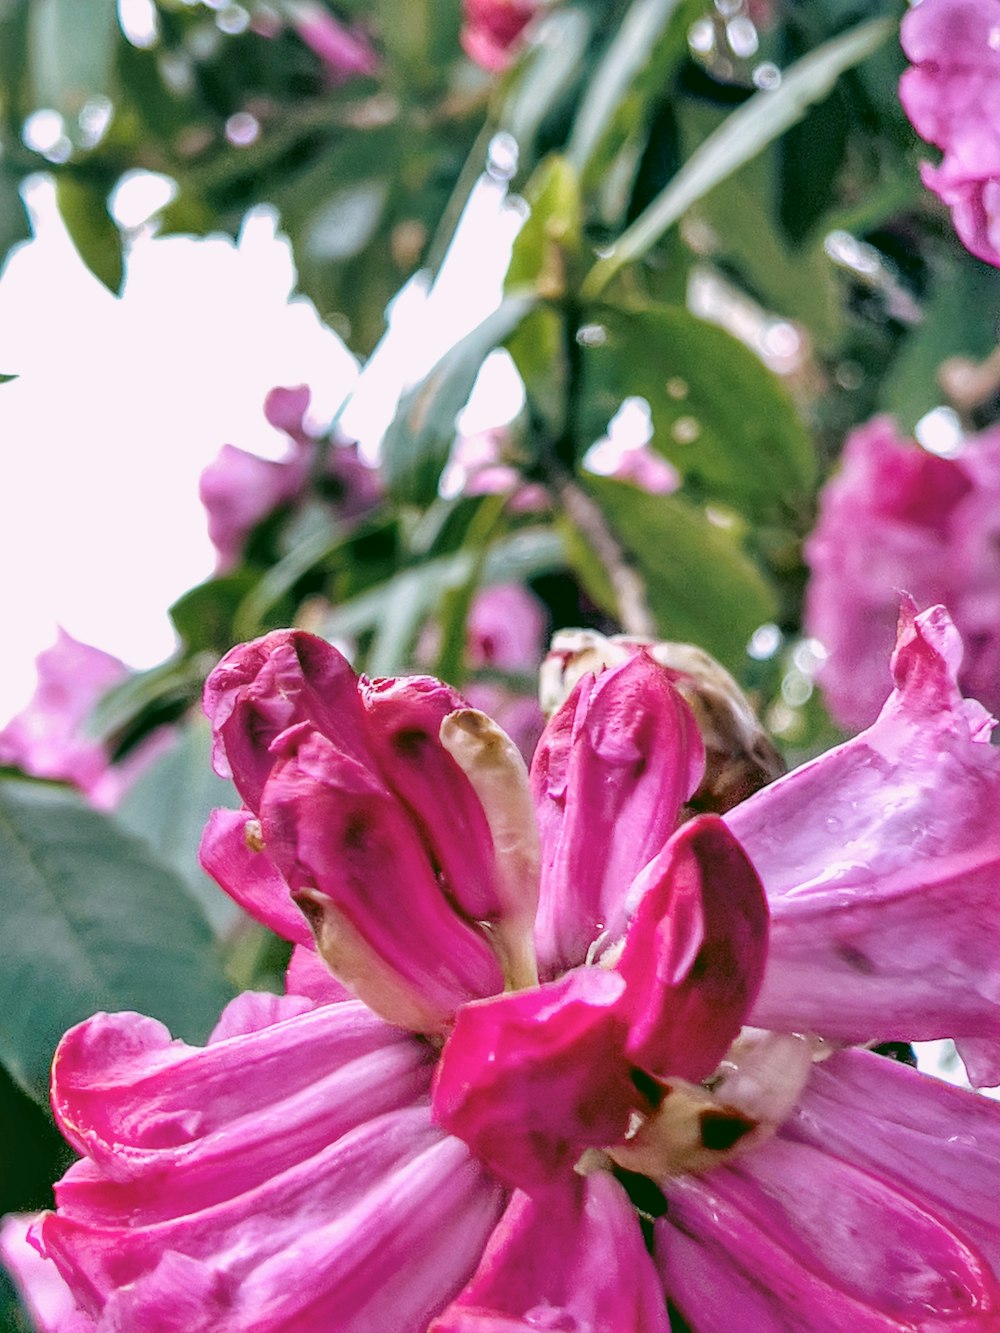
(492, 28)
(507, 631)
(345, 51)
(240, 490)
(49, 739)
(316, 1166)
(952, 96)
(897, 519)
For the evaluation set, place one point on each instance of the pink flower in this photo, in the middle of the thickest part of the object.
(240, 490)
(952, 96)
(898, 519)
(492, 29)
(577, 1153)
(49, 739)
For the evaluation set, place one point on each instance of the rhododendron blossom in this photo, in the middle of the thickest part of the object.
(575, 1088)
(952, 96)
(897, 519)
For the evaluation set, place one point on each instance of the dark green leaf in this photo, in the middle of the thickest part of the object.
(701, 586)
(84, 210)
(420, 436)
(722, 418)
(92, 922)
(204, 615)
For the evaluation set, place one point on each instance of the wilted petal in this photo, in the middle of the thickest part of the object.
(531, 1078)
(260, 689)
(694, 953)
(228, 853)
(880, 861)
(611, 772)
(355, 864)
(788, 1236)
(283, 1172)
(404, 726)
(571, 1259)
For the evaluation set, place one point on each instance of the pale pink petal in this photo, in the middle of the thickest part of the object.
(39, 1283)
(880, 860)
(344, 51)
(285, 408)
(308, 975)
(239, 490)
(531, 1078)
(611, 772)
(287, 1170)
(694, 953)
(354, 861)
(506, 629)
(249, 876)
(788, 1237)
(570, 1259)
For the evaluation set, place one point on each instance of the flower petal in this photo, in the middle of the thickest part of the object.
(880, 862)
(694, 953)
(283, 1173)
(356, 865)
(249, 876)
(39, 1283)
(260, 689)
(531, 1078)
(612, 770)
(572, 1259)
(789, 1237)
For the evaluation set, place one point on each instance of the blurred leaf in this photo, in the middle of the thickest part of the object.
(420, 436)
(145, 700)
(13, 216)
(960, 319)
(92, 922)
(72, 50)
(742, 135)
(700, 585)
(35, 1153)
(6, 379)
(98, 241)
(168, 807)
(546, 75)
(204, 616)
(552, 234)
(720, 416)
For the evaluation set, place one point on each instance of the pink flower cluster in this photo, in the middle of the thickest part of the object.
(952, 96)
(240, 490)
(897, 519)
(598, 1066)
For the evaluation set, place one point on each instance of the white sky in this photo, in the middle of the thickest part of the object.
(121, 403)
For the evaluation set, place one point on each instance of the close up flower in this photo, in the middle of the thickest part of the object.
(951, 94)
(896, 519)
(576, 1086)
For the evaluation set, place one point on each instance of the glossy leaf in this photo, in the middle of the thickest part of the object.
(419, 439)
(92, 921)
(701, 586)
(724, 420)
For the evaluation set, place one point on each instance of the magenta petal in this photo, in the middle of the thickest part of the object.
(573, 1258)
(308, 975)
(880, 860)
(531, 1078)
(355, 863)
(404, 724)
(39, 1283)
(260, 689)
(249, 876)
(239, 490)
(941, 1142)
(694, 953)
(287, 1174)
(611, 771)
(790, 1237)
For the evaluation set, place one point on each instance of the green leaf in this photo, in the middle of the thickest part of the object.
(720, 416)
(72, 49)
(419, 439)
(6, 379)
(84, 209)
(91, 922)
(168, 807)
(546, 75)
(741, 137)
(13, 217)
(701, 587)
(204, 615)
